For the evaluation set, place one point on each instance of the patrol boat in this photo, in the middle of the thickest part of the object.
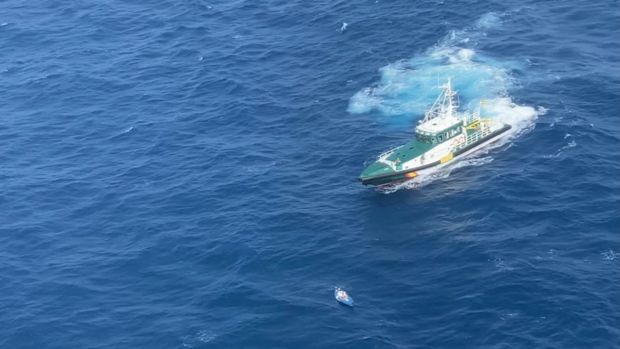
(442, 137)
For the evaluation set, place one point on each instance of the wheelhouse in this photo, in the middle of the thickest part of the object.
(440, 136)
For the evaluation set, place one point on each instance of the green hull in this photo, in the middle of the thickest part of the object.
(379, 173)
(384, 180)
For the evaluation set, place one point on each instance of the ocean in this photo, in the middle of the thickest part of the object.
(183, 174)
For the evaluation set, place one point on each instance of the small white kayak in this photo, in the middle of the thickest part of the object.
(343, 297)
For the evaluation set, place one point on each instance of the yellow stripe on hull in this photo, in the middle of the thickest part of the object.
(446, 158)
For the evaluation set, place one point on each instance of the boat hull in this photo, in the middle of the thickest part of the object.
(348, 301)
(399, 176)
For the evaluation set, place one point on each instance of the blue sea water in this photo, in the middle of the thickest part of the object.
(182, 174)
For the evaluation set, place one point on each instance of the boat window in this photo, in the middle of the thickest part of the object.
(433, 139)
(440, 138)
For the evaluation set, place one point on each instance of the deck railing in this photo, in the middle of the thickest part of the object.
(387, 153)
(473, 117)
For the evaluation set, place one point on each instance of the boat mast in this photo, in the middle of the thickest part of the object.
(444, 105)
(450, 98)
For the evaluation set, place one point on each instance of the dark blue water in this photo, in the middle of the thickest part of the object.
(182, 174)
